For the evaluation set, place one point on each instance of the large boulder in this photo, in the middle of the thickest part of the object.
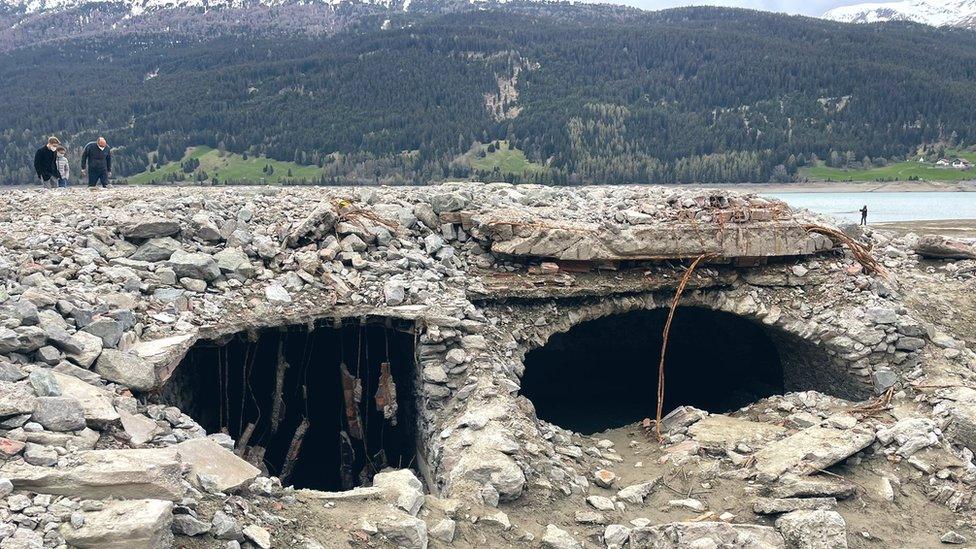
(57, 413)
(810, 450)
(681, 535)
(194, 265)
(233, 261)
(96, 403)
(156, 249)
(143, 523)
(16, 398)
(213, 465)
(817, 529)
(91, 347)
(941, 247)
(98, 474)
(126, 369)
(149, 227)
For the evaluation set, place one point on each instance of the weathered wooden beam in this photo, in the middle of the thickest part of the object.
(293, 450)
(352, 394)
(386, 394)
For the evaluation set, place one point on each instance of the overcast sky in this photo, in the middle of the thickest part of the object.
(803, 7)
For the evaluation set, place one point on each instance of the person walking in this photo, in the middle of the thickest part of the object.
(46, 162)
(97, 161)
(64, 170)
(864, 215)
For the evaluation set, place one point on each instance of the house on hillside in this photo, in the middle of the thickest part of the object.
(961, 164)
(942, 162)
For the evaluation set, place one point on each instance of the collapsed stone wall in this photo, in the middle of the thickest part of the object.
(104, 295)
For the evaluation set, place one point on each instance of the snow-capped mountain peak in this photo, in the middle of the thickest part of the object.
(938, 13)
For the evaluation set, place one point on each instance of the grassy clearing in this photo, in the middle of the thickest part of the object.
(900, 171)
(228, 167)
(504, 159)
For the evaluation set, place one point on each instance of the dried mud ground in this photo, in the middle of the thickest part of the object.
(912, 520)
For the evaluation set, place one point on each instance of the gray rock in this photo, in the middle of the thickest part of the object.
(233, 261)
(6, 487)
(953, 538)
(142, 523)
(404, 531)
(48, 355)
(224, 526)
(883, 379)
(108, 329)
(194, 265)
(394, 292)
(615, 536)
(156, 249)
(23, 538)
(16, 398)
(91, 347)
(556, 538)
(443, 530)
(44, 383)
(205, 228)
(10, 372)
(22, 310)
(40, 455)
(881, 315)
(682, 535)
(59, 414)
(352, 243)
(636, 493)
(813, 529)
(258, 536)
(775, 506)
(189, 525)
(126, 369)
(99, 474)
(149, 227)
(812, 449)
(24, 339)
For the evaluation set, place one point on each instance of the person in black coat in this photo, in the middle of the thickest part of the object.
(46, 162)
(96, 160)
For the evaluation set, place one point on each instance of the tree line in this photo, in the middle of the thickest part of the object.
(688, 95)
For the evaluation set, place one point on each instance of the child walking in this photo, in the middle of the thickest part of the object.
(63, 168)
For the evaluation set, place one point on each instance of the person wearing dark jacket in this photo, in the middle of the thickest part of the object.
(46, 162)
(97, 161)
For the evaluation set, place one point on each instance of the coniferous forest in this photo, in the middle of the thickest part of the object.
(687, 95)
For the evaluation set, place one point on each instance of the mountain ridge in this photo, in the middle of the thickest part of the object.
(937, 13)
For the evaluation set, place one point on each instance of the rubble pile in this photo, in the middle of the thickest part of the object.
(102, 295)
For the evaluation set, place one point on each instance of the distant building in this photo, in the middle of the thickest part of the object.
(961, 164)
(942, 162)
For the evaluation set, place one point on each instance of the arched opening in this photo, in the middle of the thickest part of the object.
(602, 373)
(323, 407)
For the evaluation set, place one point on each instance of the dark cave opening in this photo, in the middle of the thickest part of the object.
(303, 430)
(602, 373)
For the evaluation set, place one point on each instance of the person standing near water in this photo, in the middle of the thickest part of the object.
(864, 215)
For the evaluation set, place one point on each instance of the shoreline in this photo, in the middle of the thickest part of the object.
(948, 227)
(853, 187)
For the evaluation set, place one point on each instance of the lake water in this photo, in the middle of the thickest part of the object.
(896, 206)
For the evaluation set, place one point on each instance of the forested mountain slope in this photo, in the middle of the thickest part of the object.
(696, 94)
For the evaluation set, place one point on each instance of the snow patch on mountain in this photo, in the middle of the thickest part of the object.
(938, 13)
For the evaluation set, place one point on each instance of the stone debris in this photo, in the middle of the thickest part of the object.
(101, 297)
(123, 525)
(678, 535)
(810, 450)
(813, 529)
(556, 538)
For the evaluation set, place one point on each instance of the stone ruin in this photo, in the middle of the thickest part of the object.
(414, 367)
